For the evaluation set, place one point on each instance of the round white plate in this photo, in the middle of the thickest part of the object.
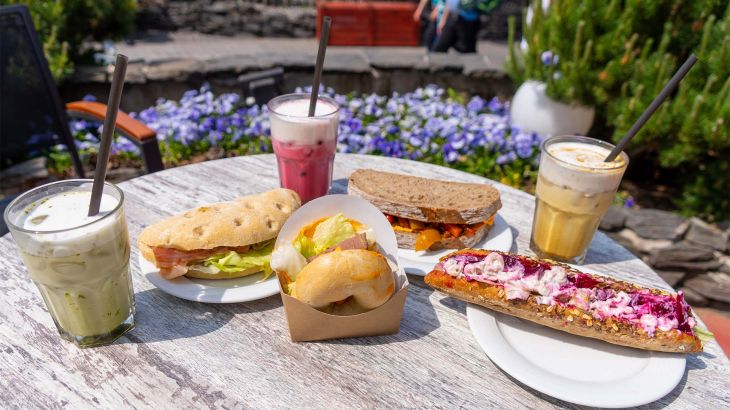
(237, 290)
(576, 369)
(499, 238)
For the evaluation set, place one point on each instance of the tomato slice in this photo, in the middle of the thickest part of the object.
(426, 238)
(454, 230)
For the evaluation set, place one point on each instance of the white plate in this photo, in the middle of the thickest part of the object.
(243, 289)
(499, 238)
(576, 369)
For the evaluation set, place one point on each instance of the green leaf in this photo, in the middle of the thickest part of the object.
(703, 334)
(235, 262)
(327, 234)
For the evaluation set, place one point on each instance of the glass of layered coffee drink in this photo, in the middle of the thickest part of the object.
(575, 187)
(304, 146)
(79, 263)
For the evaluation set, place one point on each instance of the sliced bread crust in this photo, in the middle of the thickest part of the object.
(243, 221)
(424, 199)
(407, 240)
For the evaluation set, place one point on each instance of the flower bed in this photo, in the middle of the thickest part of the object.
(430, 124)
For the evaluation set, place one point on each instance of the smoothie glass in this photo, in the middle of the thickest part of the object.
(575, 187)
(80, 264)
(304, 146)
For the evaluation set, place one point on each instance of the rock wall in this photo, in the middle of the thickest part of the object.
(691, 255)
(229, 17)
(273, 18)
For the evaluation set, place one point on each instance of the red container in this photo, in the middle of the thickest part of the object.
(370, 23)
(352, 23)
(394, 25)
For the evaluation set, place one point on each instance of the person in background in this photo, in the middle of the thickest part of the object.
(459, 25)
(436, 8)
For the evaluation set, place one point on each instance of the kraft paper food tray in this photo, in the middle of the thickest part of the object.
(309, 324)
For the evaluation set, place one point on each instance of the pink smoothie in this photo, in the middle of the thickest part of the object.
(304, 146)
(307, 169)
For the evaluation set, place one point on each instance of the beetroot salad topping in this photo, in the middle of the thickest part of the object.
(553, 285)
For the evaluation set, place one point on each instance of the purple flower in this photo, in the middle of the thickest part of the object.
(506, 158)
(496, 106)
(476, 104)
(630, 202)
(549, 59)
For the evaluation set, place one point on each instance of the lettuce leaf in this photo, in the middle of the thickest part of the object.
(234, 261)
(305, 246)
(328, 233)
(703, 334)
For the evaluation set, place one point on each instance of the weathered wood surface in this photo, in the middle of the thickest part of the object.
(184, 354)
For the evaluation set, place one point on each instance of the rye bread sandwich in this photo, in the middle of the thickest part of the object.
(563, 298)
(429, 214)
(219, 241)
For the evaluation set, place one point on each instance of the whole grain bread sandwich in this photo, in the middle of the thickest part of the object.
(219, 241)
(429, 214)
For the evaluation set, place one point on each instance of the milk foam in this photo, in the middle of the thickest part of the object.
(583, 155)
(300, 108)
(581, 167)
(290, 122)
(64, 212)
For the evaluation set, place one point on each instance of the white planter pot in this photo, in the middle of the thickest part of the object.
(532, 110)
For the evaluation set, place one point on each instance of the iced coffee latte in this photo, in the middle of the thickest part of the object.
(575, 187)
(79, 263)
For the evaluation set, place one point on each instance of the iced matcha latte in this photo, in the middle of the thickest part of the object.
(79, 263)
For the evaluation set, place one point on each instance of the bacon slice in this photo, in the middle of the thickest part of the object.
(173, 262)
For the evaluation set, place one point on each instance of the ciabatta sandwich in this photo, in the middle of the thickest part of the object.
(429, 214)
(219, 241)
(563, 298)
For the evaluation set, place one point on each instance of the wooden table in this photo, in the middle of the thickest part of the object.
(186, 354)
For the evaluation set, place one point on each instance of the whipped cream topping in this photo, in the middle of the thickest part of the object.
(553, 285)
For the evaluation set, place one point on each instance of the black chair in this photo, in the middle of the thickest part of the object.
(262, 85)
(32, 116)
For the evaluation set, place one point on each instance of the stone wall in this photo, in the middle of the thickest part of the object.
(272, 18)
(229, 17)
(691, 255)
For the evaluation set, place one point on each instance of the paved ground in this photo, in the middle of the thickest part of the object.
(184, 45)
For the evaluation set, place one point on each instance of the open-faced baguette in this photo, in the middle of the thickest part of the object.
(564, 315)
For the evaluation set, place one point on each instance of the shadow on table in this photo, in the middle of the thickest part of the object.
(339, 186)
(515, 234)
(603, 249)
(161, 317)
(419, 319)
(695, 362)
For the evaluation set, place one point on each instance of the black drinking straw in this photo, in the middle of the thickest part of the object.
(671, 85)
(323, 38)
(110, 120)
